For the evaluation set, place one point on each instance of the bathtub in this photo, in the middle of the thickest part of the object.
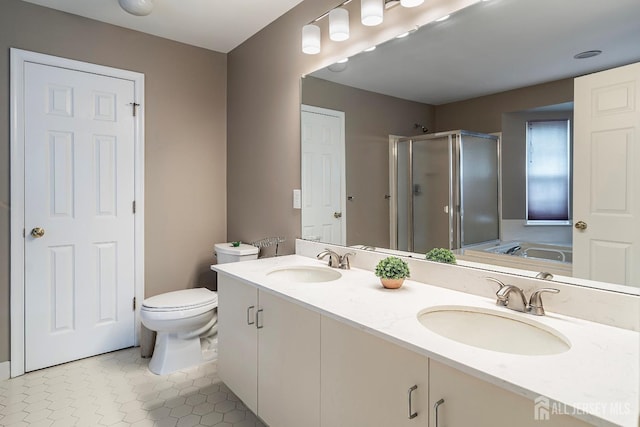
(552, 258)
(544, 251)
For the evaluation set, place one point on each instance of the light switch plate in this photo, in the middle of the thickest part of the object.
(297, 199)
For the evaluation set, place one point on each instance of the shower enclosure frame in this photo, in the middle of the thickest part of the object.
(456, 193)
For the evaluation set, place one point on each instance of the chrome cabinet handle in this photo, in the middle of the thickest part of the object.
(412, 414)
(258, 317)
(249, 316)
(435, 408)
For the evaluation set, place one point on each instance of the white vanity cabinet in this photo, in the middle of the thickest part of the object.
(367, 381)
(468, 401)
(238, 339)
(269, 354)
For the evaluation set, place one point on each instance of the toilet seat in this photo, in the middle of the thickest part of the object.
(180, 304)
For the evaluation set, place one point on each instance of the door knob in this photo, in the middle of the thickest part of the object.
(337, 214)
(581, 225)
(37, 232)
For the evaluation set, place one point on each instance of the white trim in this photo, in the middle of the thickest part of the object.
(5, 370)
(393, 191)
(343, 182)
(18, 59)
(499, 136)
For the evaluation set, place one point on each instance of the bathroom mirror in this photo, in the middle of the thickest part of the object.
(491, 66)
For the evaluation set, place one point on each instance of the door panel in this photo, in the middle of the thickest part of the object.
(468, 401)
(366, 381)
(322, 178)
(238, 339)
(288, 364)
(79, 187)
(606, 177)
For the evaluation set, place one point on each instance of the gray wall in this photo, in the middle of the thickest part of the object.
(369, 120)
(503, 112)
(484, 114)
(264, 110)
(185, 155)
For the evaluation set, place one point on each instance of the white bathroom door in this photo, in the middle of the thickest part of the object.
(79, 222)
(606, 235)
(323, 177)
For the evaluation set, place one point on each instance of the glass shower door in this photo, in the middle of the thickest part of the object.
(431, 172)
(479, 209)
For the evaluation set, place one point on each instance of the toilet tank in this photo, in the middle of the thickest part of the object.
(226, 252)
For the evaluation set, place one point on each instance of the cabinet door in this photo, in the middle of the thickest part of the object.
(288, 363)
(238, 339)
(469, 401)
(366, 380)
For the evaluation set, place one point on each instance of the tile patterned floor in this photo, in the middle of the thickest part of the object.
(117, 389)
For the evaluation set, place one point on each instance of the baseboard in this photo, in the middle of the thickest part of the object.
(5, 370)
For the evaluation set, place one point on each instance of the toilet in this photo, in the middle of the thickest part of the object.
(182, 318)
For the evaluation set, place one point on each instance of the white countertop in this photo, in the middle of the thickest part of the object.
(597, 379)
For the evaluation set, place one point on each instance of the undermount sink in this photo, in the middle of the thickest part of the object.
(306, 274)
(493, 330)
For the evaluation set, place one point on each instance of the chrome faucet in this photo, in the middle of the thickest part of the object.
(544, 276)
(336, 260)
(345, 263)
(505, 299)
(535, 302)
(513, 250)
(519, 303)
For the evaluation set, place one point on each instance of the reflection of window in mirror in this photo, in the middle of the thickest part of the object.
(548, 172)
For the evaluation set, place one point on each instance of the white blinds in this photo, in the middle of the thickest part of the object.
(548, 171)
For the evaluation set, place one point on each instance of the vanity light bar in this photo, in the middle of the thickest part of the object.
(371, 13)
(339, 24)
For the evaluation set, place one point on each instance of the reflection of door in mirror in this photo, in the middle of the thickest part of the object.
(323, 180)
(606, 234)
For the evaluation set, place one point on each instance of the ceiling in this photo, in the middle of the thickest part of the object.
(498, 45)
(211, 24)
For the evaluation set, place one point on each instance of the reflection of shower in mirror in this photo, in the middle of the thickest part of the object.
(446, 191)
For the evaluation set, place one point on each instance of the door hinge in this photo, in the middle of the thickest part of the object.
(134, 303)
(133, 206)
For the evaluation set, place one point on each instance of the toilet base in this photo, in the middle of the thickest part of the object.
(172, 353)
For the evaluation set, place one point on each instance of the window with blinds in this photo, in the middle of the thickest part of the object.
(548, 172)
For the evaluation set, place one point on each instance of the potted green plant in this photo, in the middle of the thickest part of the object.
(392, 271)
(441, 255)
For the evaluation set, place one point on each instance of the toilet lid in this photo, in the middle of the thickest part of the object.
(181, 300)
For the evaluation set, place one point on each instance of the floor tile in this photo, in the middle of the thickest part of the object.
(117, 389)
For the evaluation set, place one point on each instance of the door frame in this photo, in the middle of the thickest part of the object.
(19, 58)
(343, 161)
